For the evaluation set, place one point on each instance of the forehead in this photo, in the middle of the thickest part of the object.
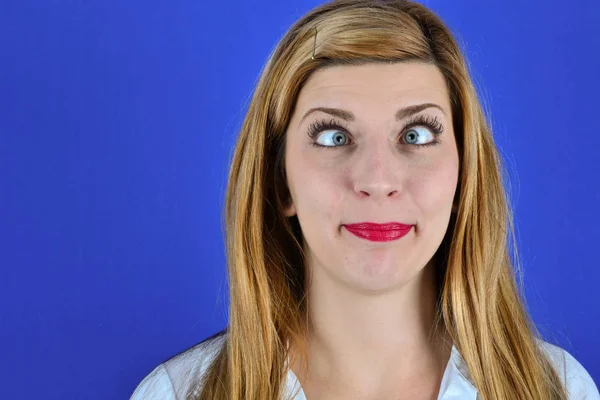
(375, 83)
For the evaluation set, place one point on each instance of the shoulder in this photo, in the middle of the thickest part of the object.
(156, 385)
(172, 379)
(577, 380)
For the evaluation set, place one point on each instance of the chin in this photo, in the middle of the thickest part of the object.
(376, 280)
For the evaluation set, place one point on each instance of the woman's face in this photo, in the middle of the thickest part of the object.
(375, 121)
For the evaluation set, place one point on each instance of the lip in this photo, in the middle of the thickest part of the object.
(379, 232)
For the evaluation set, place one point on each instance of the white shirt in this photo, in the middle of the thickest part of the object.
(170, 380)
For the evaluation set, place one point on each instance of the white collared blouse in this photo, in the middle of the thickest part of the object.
(171, 379)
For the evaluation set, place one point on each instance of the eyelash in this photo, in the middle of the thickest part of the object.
(432, 123)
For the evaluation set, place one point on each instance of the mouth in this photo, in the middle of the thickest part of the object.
(379, 232)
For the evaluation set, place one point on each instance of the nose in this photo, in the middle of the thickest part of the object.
(378, 174)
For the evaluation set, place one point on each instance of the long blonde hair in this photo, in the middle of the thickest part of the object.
(479, 302)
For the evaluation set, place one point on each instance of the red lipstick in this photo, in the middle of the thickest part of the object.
(379, 232)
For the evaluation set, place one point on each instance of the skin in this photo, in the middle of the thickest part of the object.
(371, 305)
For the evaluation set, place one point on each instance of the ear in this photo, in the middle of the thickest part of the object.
(290, 209)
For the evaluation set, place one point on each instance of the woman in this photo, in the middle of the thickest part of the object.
(367, 231)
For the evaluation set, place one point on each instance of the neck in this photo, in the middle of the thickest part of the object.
(372, 340)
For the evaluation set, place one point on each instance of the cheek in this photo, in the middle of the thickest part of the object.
(316, 186)
(434, 186)
(325, 189)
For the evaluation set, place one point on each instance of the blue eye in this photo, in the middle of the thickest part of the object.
(333, 133)
(338, 138)
(420, 132)
(418, 135)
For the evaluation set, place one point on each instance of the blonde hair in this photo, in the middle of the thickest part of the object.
(479, 303)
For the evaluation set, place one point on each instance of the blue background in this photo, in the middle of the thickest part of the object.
(117, 122)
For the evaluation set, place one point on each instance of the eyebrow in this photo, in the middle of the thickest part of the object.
(348, 116)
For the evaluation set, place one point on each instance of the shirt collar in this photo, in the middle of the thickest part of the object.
(456, 384)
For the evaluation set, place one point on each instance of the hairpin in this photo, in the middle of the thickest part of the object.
(314, 44)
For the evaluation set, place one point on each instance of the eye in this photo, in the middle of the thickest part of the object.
(418, 135)
(331, 134)
(332, 138)
(420, 132)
